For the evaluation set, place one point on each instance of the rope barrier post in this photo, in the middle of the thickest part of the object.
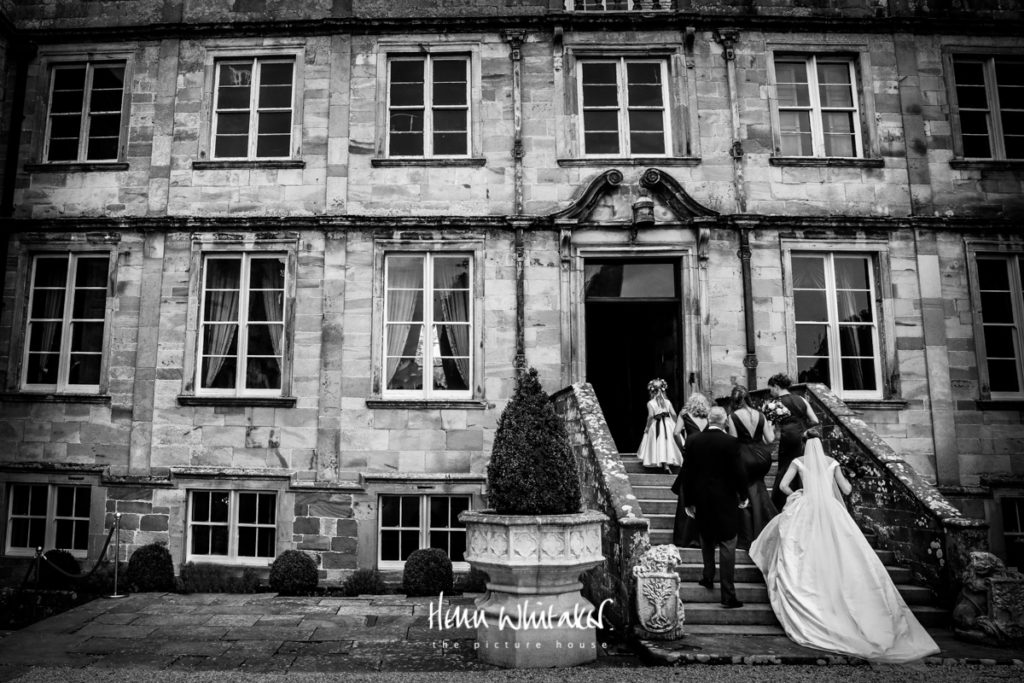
(117, 554)
(38, 562)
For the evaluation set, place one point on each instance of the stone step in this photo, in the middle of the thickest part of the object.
(692, 555)
(664, 506)
(653, 479)
(758, 593)
(748, 573)
(734, 630)
(660, 521)
(649, 492)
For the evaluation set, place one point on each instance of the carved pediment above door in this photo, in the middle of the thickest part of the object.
(651, 198)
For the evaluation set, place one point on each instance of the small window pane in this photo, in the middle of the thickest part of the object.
(230, 146)
(86, 336)
(275, 123)
(38, 501)
(858, 374)
(406, 94)
(438, 512)
(971, 97)
(812, 340)
(200, 507)
(1000, 341)
(814, 370)
(42, 368)
(389, 546)
(90, 304)
(389, 510)
(410, 543)
(219, 506)
(275, 96)
(810, 306)
(65, 501)
(47, 304)
(993, 274)
(267, 509)
(407, 374)
(410, 511)
(1002, 375)
(276, 73)
(273, 145)
(997, 307)
(247, 508)
(45, 336)
(84, 369)
(82, 498)
(263, 373)
(856, 340)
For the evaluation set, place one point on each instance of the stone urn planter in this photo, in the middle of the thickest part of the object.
(534, 563)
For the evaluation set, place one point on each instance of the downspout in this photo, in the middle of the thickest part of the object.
(515, 40)
(23, 54)
(728, 37)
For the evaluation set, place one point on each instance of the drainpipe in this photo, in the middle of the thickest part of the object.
(515, 40)
(728, 37)
(22, 55)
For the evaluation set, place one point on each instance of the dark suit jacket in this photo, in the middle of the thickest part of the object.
(714, 482)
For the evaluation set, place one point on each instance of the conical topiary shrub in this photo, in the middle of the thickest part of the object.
(532, 469)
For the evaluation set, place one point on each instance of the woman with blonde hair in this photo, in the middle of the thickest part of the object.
(693, 419)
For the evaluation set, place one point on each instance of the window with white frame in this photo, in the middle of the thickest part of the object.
(65, 322)
(84, 116)
(990, 105)
(623, 107)
(428, 106)
(428, 325)
(1013, 531)
(241, 343)
(1002, 313)
(48, 516)
(817, 103)
(408, 523)
(232, 525)
(252, 111)
(836, 322)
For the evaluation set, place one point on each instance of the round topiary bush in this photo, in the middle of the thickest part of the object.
(293, 573)
(52, 565)
(150, 568)
(363, 582)
(532, 469)
(428, 571)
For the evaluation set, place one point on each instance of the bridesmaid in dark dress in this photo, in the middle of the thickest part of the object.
(693, 418)
(754, 433)
(791, 430)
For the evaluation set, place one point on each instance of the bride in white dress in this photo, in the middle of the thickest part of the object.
(826, 584)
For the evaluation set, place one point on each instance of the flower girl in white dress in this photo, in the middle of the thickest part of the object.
(826, 584)
(658, 448)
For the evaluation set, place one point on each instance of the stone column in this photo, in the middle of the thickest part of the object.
(144, 390)
(936, 358)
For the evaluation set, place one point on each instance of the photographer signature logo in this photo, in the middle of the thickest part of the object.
(521, 619)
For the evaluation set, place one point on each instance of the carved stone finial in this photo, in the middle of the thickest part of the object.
(728, 37)
(659, 607)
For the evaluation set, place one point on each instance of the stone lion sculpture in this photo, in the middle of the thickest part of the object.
(990, 607)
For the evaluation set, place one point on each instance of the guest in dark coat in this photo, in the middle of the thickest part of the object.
(714, 486)
(693, 419)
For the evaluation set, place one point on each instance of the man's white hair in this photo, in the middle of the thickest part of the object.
(717, 416)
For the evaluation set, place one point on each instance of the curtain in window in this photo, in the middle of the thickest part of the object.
(454, 308)
(853, 303)
(52, 309)
(221, 305)
(404, 292)
(272, 283)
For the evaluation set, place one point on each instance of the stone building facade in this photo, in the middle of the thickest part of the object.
(271, 266)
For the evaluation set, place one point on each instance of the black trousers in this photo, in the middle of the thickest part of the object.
(727, 565)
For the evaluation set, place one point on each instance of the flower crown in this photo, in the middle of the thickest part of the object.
(657, 384)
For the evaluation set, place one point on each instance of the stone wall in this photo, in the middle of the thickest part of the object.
(605, 487)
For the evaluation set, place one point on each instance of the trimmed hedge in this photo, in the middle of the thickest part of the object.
(294, 573)
(215, 578)
(428, 571)
(532, 469)
(364, 582)
(150, 568)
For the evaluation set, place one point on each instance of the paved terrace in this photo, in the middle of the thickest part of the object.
(265, 633)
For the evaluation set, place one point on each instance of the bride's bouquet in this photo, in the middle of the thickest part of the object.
(775, 411)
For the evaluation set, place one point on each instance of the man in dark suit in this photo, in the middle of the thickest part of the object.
(714, 486)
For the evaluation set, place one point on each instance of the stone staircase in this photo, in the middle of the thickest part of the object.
(703, 612)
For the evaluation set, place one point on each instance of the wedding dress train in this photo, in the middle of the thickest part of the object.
(826, 585)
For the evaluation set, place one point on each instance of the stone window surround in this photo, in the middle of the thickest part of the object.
(376, 484)
(27, 248)
(97, 505)
(860, 55)
(949, 53)
(683, 132)
(216, 481)
(975, 247)
(431, 45)
(884, 305)
(436, 244)
(249, 49)
(241, 243)
(55, 55)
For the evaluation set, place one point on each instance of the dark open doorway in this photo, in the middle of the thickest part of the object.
(633, 334)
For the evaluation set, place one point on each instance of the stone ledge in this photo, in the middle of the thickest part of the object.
(238, 401)
(77, 167)
(851, 162)
(199, 472)
(426, 161)
(53, 467)
(421, 478)
(999, 404)
(629, 161)
(881, 404)
(422, 404)
(224, 164)
(337, 486)
(138, 480)
(30, 397)
(988, 164)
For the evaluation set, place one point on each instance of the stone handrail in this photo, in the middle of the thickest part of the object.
(907, 514)
(605, 487)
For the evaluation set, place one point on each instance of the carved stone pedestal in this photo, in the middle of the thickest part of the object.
(659, 609)
(535, 614)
